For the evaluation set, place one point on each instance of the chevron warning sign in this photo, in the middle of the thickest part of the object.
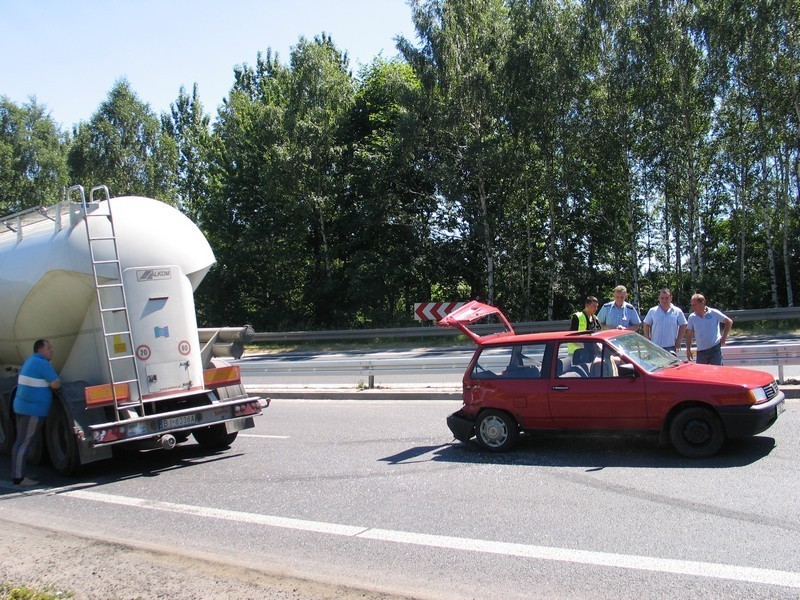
(434, 311)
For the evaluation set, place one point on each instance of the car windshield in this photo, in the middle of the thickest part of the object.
(644, 353)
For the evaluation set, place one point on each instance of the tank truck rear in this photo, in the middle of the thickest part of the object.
(110, 283)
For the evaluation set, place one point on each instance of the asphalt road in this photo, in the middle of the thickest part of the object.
(376, 495)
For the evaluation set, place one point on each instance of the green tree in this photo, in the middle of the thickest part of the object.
(320, 97)
(462, 56)
(33, 151)
(123, 146)
(385, 226)
(189, 127)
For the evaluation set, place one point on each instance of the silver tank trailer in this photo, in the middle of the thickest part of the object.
(47, 286)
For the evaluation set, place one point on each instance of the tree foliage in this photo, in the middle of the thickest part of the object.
(527, 152)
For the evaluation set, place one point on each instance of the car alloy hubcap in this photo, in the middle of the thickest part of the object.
(493, 431)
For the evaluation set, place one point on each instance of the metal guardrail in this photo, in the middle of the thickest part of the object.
(740, 316)
(740, 356)
(778, 355)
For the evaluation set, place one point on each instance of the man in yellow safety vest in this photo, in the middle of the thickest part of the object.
(585, 320)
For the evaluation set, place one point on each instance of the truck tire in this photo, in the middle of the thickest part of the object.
(61, 443)
(6, 430)
(214, 437)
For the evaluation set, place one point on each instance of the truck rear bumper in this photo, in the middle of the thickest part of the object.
(240, 409)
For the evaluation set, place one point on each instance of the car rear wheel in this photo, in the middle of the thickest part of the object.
(697, 432)
(496, 431)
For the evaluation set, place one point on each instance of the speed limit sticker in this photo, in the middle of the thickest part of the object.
(143, 352)
(184, 347)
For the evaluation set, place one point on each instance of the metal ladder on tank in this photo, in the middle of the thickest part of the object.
(111, 300)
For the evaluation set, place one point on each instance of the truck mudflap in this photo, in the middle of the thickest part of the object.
(236, 412)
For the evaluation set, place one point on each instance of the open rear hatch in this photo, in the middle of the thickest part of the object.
(473, 313)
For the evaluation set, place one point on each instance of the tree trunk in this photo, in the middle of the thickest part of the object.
(787, 260)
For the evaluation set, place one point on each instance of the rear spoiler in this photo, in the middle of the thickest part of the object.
(471, 313)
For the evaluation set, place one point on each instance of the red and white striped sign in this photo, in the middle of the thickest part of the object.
(434, 311)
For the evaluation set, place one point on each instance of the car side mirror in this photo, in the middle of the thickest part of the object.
(626, 370)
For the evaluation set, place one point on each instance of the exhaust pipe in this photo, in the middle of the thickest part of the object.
(167, 441)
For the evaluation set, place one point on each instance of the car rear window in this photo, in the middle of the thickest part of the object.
(512, 361)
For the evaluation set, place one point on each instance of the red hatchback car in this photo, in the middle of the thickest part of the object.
(603, 381)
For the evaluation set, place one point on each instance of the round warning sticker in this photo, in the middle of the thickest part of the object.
(143, 352)
(184, 347)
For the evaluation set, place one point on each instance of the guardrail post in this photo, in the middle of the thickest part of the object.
(371, 381)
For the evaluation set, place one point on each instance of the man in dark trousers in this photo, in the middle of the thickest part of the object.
(35, 386)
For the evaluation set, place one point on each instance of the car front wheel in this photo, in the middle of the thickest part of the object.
(496, 431)
(697, 432)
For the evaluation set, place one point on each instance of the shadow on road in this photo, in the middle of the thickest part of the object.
(124, 465)
(592, 452)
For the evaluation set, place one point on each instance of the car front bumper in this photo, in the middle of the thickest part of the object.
(462, 426)
(743, 421)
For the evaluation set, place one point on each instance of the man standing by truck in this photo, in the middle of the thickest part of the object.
(35, 385)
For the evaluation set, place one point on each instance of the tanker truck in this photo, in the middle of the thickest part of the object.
(110, 283)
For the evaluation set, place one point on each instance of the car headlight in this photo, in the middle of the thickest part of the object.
(758, 395)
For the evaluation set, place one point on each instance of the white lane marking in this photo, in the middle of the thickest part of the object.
(602, 559)
(271, 437)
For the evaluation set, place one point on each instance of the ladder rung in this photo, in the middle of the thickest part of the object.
(123, 357)
(108, 285)
(101, 238)
(106, 310)
(105, 262)
(113, 333)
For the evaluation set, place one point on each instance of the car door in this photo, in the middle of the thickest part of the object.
(588, 391)
(512, 377)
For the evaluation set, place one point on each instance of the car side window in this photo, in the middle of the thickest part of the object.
(526, 361)
(513, 361)
(589, 360)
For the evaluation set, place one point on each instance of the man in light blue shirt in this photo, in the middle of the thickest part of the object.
(704, 325)
(665, 323)
(619, 314)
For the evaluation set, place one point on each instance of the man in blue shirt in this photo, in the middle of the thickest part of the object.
(665, 323)
(619, 314)
(704, 325)
(32, 402)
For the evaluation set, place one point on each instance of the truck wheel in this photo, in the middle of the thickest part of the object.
(6, 431)
(61, 443)
(214, 437)
(496, 431)
(697, 433)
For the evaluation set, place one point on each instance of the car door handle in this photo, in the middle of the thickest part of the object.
(560, 388)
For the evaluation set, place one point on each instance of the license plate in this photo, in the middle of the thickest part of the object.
(178, 422)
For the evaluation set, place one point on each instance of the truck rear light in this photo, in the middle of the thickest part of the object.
(103, 395)
(245, 410)
(215, 378)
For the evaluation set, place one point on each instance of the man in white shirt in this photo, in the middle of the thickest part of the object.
(665, 323)
(704, 324)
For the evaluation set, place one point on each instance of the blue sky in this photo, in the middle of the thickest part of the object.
(68, 54)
